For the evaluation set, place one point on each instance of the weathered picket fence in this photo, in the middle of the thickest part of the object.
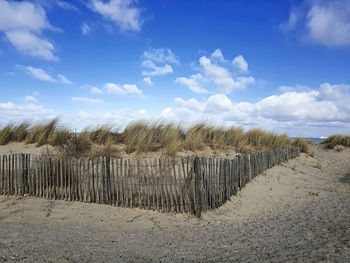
(191, 184)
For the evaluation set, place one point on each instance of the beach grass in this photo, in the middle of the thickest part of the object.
(140, 137)
(337, 139)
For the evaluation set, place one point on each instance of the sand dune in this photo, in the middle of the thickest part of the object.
(298, 211)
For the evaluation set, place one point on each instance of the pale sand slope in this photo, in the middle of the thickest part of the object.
(298, 211)
(119, 150)
(17, 147)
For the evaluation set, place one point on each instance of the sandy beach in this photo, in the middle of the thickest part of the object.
(297, 211)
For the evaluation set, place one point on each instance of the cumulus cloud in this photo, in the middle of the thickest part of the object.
(217, 103)
(124, 13)
(327, 106)
(217, 55)
(155, 70)
(240, 63)
(126, 89)
(161, 55)
(193, 83)
(214, 69)
(325, 22)
(40, 74)
(191, 104)
(329, 23)
(87, 100)
(294, 106)
(23, 23)
(148, 81)
(222, 77)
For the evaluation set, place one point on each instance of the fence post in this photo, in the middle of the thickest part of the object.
(197, 187)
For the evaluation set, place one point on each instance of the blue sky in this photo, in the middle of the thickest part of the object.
(279, 65)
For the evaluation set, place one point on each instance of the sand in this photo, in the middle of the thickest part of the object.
(297, 211)
(118, 150)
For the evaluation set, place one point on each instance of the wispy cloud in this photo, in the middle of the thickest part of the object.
(87, 100)
(40, 74)
(148, 81)
(193, 83)
(85, 29)
(126, 89)
(156, 70)
(161, 55)
(96, 90)
(30, 99)
(63, 79)
(125, 14)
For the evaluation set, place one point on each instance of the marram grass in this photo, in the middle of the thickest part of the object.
(337, 139)
(142, 136)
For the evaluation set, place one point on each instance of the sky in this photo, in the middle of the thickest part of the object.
(281, 65)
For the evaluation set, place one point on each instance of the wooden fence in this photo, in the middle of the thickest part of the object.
(191, 184)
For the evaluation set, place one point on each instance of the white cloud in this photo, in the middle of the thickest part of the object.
(148, 81)
(192, 83)
(217, 55)
(191, 104)
(40, 74)
(66, 5)
(23, 23)
(120, 117)
(325, 110)
(213, 69)
(10, 112)
(222, 77)
(63, 79)
(22, 15)
(132, 89)
(325, 22)
(294, 106)
(217, 103)
(161, 55)
(126, 89)
(87, 100)
(291, 23)
(85, 29)
(30, 99)
(240, 63)
(156, 70)
(124, 13)
(166, 110)
(328, 22)
(96, 90)
(29, 44)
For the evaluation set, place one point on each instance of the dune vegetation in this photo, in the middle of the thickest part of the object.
(302, 143)
(337, 140)
(141, 136)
